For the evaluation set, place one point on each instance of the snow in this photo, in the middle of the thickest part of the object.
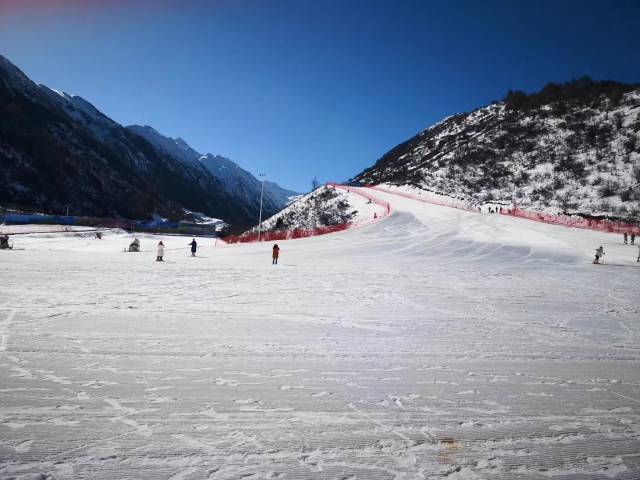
(433, 343)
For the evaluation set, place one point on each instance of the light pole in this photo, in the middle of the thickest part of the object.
(262, 177)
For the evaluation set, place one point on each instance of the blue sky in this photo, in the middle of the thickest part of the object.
(301, 88)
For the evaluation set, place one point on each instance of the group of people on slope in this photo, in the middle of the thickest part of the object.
(600, 249)
(626, 236)
(632, 235)
(161, 249)
(275, 251)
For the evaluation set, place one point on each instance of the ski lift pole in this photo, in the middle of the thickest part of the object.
(262, 177)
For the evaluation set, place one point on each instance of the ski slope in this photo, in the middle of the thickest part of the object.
(435, 343)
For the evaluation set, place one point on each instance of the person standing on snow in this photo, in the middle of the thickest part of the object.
(633, 238)
(160, 252)
(275, 254)
(599, 253)
(194, 247)
(624, 235)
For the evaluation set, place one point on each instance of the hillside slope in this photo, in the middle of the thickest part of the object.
(571, 148)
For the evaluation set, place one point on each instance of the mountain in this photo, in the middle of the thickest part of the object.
(323, 207)
(238, 183)
(176, 147)
(279, 195)
(571, 148)
(58, 150)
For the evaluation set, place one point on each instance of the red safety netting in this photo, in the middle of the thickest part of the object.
(285, 235)
(575, 222)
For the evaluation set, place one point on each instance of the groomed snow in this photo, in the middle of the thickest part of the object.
(434, 343)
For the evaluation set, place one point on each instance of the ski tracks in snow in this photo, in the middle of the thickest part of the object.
(431, 344)
(4, 327)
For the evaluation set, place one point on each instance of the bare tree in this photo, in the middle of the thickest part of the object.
(314, 183)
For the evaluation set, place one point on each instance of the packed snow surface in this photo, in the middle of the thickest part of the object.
(434, 343)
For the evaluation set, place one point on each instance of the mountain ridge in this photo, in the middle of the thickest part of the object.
(570, 148)
(237, 182)
(58, 149)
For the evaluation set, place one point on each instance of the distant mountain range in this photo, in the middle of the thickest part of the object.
(237, 182)
(58, 150)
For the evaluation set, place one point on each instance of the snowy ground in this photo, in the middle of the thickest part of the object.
(434, 343)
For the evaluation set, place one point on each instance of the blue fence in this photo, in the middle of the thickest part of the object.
(22, 218)
(13, 218)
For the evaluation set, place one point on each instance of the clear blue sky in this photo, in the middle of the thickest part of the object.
(302, 88)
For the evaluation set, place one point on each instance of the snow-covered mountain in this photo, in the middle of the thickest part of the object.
(326, 206)
(237, 182)
(176, 147)
(323, 207)
(279, 195)
(572, 148)
(58, 150)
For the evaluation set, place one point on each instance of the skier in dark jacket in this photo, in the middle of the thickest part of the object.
(194, 247)
(633, 238)
(275, 254)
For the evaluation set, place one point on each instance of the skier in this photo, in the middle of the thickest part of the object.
(275, 254)
(624, 235)
(160, 252)
(633, 238)
(599, 253)
(194, 247)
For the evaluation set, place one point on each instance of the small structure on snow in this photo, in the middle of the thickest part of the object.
(4, 243)
(135, 245)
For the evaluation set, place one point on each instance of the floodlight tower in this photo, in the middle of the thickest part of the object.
(262, 177)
